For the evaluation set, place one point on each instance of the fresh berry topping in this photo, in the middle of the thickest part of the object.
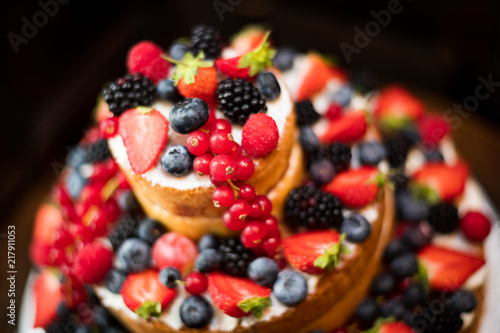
(290, 288)
(220, 124)
(395, 248)
(308, 140)
(114, 280)
(134, 255)
(310, 207)
(238, 99)
(463, 300)
(48, 296)
(268, 86)
(314, 251)
(414, 295)
(429, 320)
(169, 277)
(356, 187)
(74, 183)
(432, 130)
(178, 50)
(247, 192)
(221, 142)
(253, 234)
(167, 90)
(283, 60)
(397, 147)
(201, 164)
(145, 58)
(356, 228)
(206, 39)
(333, 112)
(396, 108)
(208, 241)
(145, 295)
(306, 114)
(109, 127)
(317, 75)
(409, 207)
(371, 153)
(383, 284)
(244, 168)
(222, 167)
(235, 257)
(367, 310)
(196, 312)
(150, 230)
(260, 136)
(129, 92)
(392, 308)
(77, 156)
(404, 265)
(177, 161)
(417, 235)
(342, 96)
(348, 128)
(263, 271)
(48, 220)
(232, 223)
(390, 326)
(433, 155)
(223, 196)
(475, 226)
(208, 260)
(196, 283)
(173, 249)
(66, 324)
(124, 228)
(260, 206)
(443, 218)
(98, 151)
(238, 297)
(248, 38)
(93, 262)
(189, 115)
(448, 269)
(337, 153)
(144, 133)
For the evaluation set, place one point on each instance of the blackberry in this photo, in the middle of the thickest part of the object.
(443, 218)
(235, 256)
(436, 316)
(306, 115)
(98, 151)
(125, 228)
(129, 92)
(207, 39)
(310, 207)
(238, 99)
(337, 153)
(397, 147)
(66, 324)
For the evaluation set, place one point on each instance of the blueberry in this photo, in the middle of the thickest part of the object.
(150, 230)
(178, 50)
(414, 295)
(168, 91)
(342, 96)
(367, 310)
(75, 183)
(128, 202)
(177, 161)
(383, 284)
(83, 329)
(208, 260)
(196, 312)
(392, 308)
(290, 288)
(394, 249)
(189, 115)
(283, 60)
(410, 208)
(371, 153)
(264, 271)
(322, 171)
(404, 265)
(114, 280)
(433, 155)
(416, 236)
(356, 228)
(134, 255)
(268, 86)
(77, 156)
(208, 241)
(308, 140)
(463, 301)
(62, 310)
(169, 277)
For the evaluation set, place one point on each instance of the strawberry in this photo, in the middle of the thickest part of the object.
(93, 262)
(144, 132)
(48, 296)
(439, 181)
(146, 58)
(314, 251)
(356, 187)
(348, 128)
(248, 39)
(238, 297)
(448, 269)
(432, 129)
(145, 295)
(195, 77)
(396, 108)
(48, 220)
(316, 77)
(174, 250)
(389, 326)
(249, 64)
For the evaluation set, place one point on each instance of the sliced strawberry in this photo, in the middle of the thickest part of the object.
(48, 220)
(396, 107)
(230, 68)
(356, 187)
(238, 297)
(318, 74)
(145, 295)
(445, 182)
(388, 326)
(432, 129)
(173, 249)
(48, 296)
(248, 39)
(448, 269)
(144, 134)
(347, 128)
(314, 251)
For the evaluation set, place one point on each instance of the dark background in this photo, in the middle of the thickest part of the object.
(49, 87)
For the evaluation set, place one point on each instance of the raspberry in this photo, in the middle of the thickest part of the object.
(93, 262)
(145, 58)
(475, 226)
(260, 135)
(334, 111)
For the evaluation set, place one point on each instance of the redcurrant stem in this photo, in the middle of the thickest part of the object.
(235, 188)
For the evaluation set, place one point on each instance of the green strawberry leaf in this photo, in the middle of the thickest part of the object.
(144, 109)
(422, 277)
(394, 123)
(187, 68)
(148, 309)
(425, 192)
(258, 59)
(256, 305)
(331, 257)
